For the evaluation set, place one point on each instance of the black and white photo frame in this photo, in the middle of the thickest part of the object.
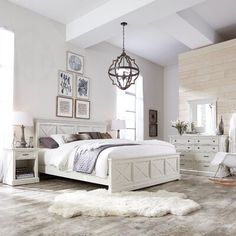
(75, 63)
(64, 107)
(82, 109)
(82, 87)
(65, 83)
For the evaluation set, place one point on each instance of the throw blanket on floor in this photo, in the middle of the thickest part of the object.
(85, 159)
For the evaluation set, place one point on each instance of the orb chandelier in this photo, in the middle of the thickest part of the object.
(123, 71)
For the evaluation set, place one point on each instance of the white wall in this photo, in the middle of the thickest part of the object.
(171, 99)
(40, 51)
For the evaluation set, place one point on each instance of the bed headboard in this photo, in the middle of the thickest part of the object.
(45, 128)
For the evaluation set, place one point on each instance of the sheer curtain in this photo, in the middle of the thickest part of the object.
(130, 108)
(6, 90)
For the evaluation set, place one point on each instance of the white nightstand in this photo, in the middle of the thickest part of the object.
(18, 159)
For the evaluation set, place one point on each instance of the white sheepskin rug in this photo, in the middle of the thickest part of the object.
(101, 203)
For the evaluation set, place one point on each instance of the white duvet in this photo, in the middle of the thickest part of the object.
(63, 156)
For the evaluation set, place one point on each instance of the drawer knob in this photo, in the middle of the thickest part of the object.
(188, 141)
(182, 155)
(199, 141)
(206, 166)
(206, 156)
(213, 148)
(198, 147)
(25, 154)
(214, 141)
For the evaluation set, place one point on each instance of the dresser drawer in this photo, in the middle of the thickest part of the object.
(206, 140)
(182, 140)
(207, 157)
(199, 148)
(202, 166)
(186, 164)
(184, 148)
(25, 155)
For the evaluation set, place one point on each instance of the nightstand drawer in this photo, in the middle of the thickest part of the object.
(25, 155)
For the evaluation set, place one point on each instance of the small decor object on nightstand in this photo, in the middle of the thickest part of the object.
(82, 109)
(23, 119)
(181, 126)
(75, 63)
(64, 107)
(117, 125)
(82, 87)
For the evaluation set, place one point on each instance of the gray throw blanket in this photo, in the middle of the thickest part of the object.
(85, 159)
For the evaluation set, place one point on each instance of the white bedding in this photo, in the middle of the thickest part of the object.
(63, 156)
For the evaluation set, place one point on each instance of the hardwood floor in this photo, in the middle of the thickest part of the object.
(23, 211)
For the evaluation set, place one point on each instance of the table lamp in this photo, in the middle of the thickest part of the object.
(23, 119)
(118, 125)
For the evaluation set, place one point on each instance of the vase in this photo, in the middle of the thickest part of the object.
(221, 127)
(180, 130)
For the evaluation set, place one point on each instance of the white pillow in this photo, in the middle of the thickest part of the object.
(59, 138)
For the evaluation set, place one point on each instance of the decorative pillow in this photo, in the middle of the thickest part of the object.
(70, 138)
(48, 142)
(105, 135)
(58, 138)
(84, 136)
(95, 135)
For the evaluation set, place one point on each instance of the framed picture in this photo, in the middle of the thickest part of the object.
(153, 116)
(82, 87)
(82, 109)
(65, 83)
(153, 130)
(64, 107)
(75, 63)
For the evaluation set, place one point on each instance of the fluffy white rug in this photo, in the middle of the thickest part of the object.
(100, 203)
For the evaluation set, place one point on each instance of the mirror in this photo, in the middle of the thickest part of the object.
(203, 114)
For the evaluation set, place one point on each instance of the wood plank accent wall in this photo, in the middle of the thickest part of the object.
(209, 72)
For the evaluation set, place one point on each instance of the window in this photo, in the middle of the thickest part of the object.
(6, 88)
(130, 109)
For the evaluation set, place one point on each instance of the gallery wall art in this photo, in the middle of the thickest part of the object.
(73, 89)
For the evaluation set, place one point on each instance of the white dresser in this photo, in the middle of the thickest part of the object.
(197, 152)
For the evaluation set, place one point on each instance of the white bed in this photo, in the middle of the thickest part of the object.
(120, 168)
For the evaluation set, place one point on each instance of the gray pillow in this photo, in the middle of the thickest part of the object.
(48, 142)
(84, 136)
(70, 138)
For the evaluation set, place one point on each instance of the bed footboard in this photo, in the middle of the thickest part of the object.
(136, 173)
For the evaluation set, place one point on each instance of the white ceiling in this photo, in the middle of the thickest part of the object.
(158, 30)
(220, 15)
(63, 11)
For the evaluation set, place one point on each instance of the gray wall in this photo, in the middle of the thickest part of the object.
(171, 99)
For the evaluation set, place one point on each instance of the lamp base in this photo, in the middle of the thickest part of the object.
(22, 140)
(118, 133)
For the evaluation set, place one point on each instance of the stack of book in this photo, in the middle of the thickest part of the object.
(24, 172)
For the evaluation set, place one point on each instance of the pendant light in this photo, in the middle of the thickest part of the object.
(123, 71)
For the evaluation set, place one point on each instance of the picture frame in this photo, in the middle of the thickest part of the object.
(82, 109)
(65, 83)
(75, 63)
(82, 87)
(64, 107)
(153, 116)
(153, 130)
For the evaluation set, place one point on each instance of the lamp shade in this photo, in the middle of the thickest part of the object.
(117, 124)
(22, 118)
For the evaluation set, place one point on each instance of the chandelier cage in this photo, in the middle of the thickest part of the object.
(123, 71)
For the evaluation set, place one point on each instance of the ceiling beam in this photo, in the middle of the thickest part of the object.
(190, 29)
(104, 22)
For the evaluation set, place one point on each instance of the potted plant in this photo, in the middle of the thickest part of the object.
(181, 126)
